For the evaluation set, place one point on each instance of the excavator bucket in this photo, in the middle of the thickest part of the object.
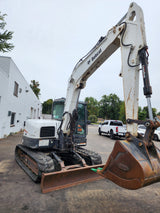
(132, 164)
(67, 178)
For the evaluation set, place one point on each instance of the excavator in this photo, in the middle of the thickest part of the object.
(60, 161)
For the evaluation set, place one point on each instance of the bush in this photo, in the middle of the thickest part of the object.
(92, 118)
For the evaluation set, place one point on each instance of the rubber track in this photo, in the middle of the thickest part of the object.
(47, 164)
(44, 162)
(85, 153)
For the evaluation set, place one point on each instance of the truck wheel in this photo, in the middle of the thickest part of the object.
(111, 134)
(155, 137)
(99, 131)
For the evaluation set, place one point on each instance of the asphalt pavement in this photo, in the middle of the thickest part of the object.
(19, 194)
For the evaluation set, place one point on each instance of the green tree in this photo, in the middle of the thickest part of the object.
(122, 115)
(92, 118)
(35, 87)
(109, 107)
(47, 106)
(158, 113)
(103, 107)
(5, 35)
(92, 106)
(154, 111)
(142, 114)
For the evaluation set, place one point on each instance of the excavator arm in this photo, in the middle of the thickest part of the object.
(129, 35)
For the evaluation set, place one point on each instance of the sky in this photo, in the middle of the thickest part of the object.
(50, 36)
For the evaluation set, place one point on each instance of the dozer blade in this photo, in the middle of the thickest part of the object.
(64, 179)
(132, 165)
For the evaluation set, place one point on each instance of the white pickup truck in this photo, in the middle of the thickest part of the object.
(112, 128)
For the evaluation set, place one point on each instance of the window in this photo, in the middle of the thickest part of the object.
(15, 89)
(38, 113)
(105, 123)
(116, 123)
(81, 112)
(142, 127)
(58, 109)
(31, 113)
(13, 115)
(34, 113)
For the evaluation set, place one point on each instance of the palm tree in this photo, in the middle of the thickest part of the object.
(35, 87)
(5, 36)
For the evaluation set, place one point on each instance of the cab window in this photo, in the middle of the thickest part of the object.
(58, 109)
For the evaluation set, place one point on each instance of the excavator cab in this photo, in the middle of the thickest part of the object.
(80, 132)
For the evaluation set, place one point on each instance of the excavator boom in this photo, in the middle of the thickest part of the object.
(129, 35)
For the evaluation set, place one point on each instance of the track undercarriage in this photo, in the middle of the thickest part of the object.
(38, 163)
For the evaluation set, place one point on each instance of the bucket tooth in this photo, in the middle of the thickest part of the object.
(129, 166)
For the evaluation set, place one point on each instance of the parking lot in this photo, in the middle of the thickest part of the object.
(19, 194)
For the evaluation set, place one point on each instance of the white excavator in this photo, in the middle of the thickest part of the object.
(59, 161)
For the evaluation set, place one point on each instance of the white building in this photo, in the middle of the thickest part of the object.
(17, 100)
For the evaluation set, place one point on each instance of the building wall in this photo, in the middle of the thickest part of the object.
(15, 107)
(4, 80)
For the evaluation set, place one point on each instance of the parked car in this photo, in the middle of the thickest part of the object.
(113, 128)
(141, 129)
(156, 136)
